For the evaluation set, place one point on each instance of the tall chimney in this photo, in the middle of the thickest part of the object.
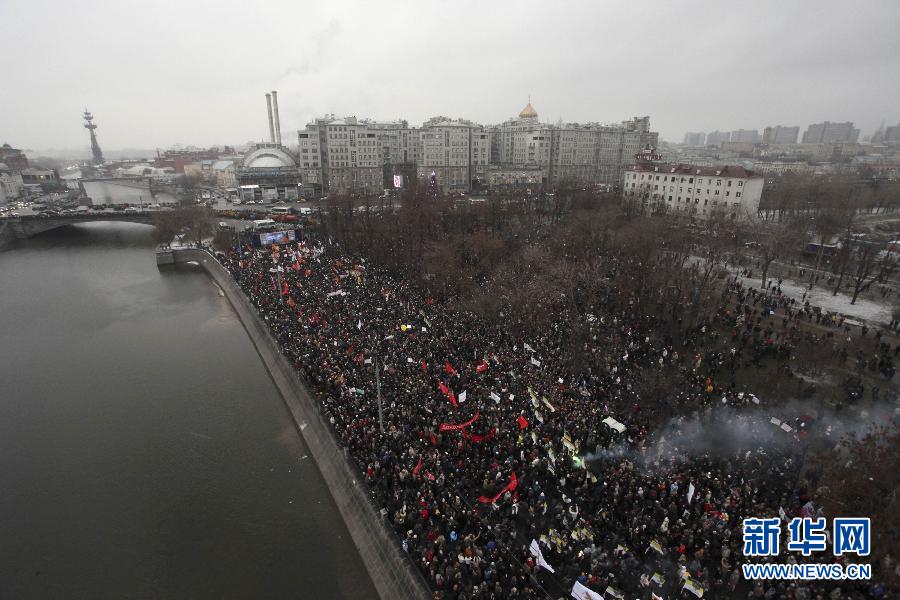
(277, 122)
(271, 125)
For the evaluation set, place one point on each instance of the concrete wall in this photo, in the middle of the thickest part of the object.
(391, 569)
(7, 235)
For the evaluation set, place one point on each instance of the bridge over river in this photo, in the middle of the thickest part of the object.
(24, 227)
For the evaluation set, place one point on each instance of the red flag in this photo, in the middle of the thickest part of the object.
(296, 266)
(449, 368)
(523, 422)
(415, 470)
(483, 438)
(482, 367)
(424, 367)
(509, 487)
(284, 289)
(453, 401)
(457, 426)
(444, 389)
(433, 439)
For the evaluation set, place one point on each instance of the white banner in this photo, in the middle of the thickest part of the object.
(690, 492)
(537, 554)
(580, 592)
(614, 424)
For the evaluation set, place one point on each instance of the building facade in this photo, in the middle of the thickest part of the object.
(13, 158)
(750, 136)
(346, 155)
(715, 138)
(268, 173)
(694, 139)
(829, 133)
(692, 191)
(11, 185)
(779, 134)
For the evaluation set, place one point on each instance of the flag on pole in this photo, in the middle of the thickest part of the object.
(522, 421)
(462, 396)
(495, 398)
(535, 362)
(690, 492)
(539, 556)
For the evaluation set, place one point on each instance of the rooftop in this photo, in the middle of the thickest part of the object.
(682, 169)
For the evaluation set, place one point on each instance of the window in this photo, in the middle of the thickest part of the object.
(740, 184)
(737, 195)
(729, 183)
(691, 180)
(717, 192)
(727, 194)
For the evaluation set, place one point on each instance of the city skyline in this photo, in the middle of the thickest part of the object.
(401, 60)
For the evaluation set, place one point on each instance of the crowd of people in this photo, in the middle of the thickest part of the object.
(491, 441)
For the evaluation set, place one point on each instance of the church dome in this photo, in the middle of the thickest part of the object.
(528, 112)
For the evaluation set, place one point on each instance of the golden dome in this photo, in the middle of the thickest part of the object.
(528, 112)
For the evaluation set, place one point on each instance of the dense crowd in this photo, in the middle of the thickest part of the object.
(491, 441)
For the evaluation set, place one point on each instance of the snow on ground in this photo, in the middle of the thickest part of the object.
(867, 310)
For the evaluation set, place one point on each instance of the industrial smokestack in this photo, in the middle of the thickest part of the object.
(271, 124)
(277, 122)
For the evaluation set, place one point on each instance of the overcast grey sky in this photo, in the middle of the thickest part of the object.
(195, 72)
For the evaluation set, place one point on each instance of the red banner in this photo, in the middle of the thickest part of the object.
(509, 487)
(454, 427)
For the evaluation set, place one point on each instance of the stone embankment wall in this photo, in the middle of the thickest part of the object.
(391, 569)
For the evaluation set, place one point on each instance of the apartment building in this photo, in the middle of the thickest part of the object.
(693, 191)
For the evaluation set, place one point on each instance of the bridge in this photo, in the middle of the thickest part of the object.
(20, 228)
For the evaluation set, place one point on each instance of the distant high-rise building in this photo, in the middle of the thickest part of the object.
(750, 136)
(715, 138)
(830, 133)
(780, 134)
(892, 135)
(694, 139)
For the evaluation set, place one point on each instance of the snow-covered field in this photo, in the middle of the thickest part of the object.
(867, 310)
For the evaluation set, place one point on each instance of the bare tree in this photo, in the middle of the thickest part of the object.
(773, 241)
(871, 265)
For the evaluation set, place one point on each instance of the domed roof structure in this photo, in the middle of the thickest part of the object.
(528, 112)
(268, 158)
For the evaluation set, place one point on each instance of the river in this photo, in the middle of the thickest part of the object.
(144, 451)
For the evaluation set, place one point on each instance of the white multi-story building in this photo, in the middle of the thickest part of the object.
(456, 151)
(573, 152)
(357, 155)
(349, 154)
(693, 191)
